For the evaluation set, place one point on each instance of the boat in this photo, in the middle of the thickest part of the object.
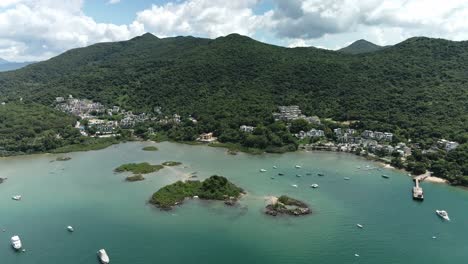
(263, 170)
(385, 176)
(314, 185)
(274, 167)
(298, 167)
(347, 178)
(356, 255)
(294, 185)
(16, 197)
(359, 225)
(16, 242)
(272, 178)
(103, 257)
(443, 214)
(298, 175)
(320, 174)
(280, 174)
(70, 229)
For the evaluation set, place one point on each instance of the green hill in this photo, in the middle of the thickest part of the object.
(417, 89)
(361, 46)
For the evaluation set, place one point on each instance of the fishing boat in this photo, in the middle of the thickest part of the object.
(443, 214)
(16, 242)
(103, 257)
(263, 170)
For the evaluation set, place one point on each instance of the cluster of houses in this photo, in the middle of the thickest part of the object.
(447, 145)
(385, 136)
(310, 134)
(293, 112)
(247, 129)
(80, 107)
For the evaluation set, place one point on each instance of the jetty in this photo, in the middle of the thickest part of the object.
(418, 193)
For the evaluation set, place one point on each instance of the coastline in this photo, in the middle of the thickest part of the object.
(427, 177)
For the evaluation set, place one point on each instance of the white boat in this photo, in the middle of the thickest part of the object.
(274, 167)
(359, 225)
(356, 255)
(314, 185)
(294, 185)
(263, 170)
(443, 214)
(70, 228)
(347, 178)
(103, 257)
(298, 167)
(16, 197)
(16, 242)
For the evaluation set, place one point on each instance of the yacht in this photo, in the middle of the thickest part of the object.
(298, 167)
(103, 257)
(360, 226)
(16, 242)
(274, 167)
(347, 178)
(314, 185)
(16, 197)
(443, 214)
(70, 229)
(263, 170)
(294, 185)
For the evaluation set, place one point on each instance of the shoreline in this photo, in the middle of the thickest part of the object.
(427, 177)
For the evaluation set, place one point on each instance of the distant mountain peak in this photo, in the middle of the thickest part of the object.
(146, 36)
(361, 46)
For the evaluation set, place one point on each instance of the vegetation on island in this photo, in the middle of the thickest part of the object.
(171, 163)
(134, 178)
(150, 148)
(213, 188)
(415, 89)
(287, 205)
(139, 168)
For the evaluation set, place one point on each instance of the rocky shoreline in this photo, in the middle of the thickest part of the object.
(285, 205)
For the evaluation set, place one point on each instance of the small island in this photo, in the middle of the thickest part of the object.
(134, 178)
(63, 158)
(214, 188)
(285, 205)
(139, 168)
(171, 163)
(150, 148)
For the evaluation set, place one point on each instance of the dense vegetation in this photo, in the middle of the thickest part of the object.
(361, 46)
(287, 205)
(171, 163)
(139, 168)
(134, 178)
(416, 89)
(213, 188)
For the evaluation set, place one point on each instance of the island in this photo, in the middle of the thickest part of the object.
(150, 148)
(171, 163)
(134, 178)
(285, 205)
(214, 188)
(139, 168)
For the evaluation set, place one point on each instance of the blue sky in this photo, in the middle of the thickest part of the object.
(40, 29)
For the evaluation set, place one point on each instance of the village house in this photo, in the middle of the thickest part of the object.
(293, 112)
(311, 133)
(447, 145)
(206, 137)
(247, 129)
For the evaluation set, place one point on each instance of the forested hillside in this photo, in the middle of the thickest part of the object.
(361, 46)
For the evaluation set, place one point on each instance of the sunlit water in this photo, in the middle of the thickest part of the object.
(109, 213)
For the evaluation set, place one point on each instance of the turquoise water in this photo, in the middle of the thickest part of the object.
(109, 213)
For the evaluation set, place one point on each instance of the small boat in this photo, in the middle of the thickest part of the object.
(320, 174)
(272, 178)
(16, 197)
(434, 237)
(103, 257)
(298, 175)
(298, 166)
(443, 214)
(70, 229)
(274, 167)
(359, 225)
(347, 178)
(294, 185)
(356, 255)
(263, 170)
(385, 176)
(16, 242)
(314, 185)
(281, 174)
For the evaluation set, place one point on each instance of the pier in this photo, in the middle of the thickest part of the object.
(418, 193)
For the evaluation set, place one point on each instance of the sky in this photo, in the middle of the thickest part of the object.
(34, 30)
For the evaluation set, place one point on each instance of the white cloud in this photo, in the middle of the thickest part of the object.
(112, 2)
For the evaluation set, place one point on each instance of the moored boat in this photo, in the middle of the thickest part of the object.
(314, 185)
(347, 178)
(281, 174)
(298, 166)
(385, 176)
(16, 197)
(103, 257)
(294, 185)
(16, 242)
(443, 214)
(70, 229)
(320, 174)
(359, 225)
(263, 170)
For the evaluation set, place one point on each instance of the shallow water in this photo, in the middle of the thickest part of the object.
(109, 213)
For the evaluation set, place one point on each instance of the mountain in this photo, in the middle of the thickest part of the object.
(10, 66)
(361, 46)
(416, 89)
